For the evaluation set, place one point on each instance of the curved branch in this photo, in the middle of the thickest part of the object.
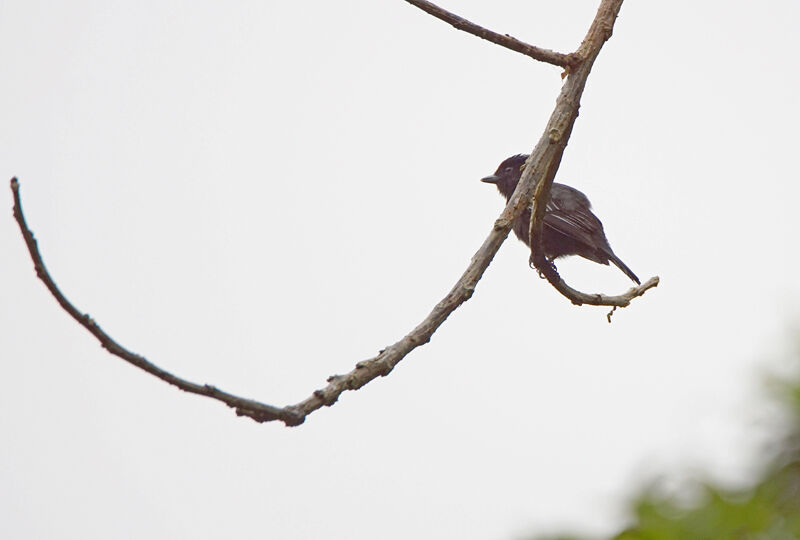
(593, 299)
(543, 163)
(291, 415)
(459, 23)
(547, 269)
(246, 407)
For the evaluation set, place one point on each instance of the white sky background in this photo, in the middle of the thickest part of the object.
(260, 194)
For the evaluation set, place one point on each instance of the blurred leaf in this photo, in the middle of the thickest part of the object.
(769, 509)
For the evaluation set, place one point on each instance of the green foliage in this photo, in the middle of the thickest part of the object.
(769, 509)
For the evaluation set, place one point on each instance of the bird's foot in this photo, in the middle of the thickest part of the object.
(549, 262)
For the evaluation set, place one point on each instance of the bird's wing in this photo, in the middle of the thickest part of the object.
(576, 222)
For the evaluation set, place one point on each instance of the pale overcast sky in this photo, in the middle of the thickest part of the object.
(260, 194)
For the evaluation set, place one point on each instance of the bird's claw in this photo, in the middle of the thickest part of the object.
(541, 274)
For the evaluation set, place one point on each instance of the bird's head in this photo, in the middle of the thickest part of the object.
(507, 174)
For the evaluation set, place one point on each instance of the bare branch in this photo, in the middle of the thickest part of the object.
(594, 299)
(292, 415)
(542, 166)
(246, 407)
(599, 33)
(459, 23)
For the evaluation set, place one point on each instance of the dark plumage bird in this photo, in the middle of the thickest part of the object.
(570, 227)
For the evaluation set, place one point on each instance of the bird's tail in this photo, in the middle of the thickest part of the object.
(622, 266)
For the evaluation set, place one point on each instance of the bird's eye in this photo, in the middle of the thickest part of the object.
(509, 170)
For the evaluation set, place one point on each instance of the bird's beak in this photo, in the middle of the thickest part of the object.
(493, 179)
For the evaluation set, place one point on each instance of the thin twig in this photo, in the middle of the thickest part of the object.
(594, 299)
(537, 53)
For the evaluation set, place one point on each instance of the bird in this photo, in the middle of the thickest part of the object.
(570, 227)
